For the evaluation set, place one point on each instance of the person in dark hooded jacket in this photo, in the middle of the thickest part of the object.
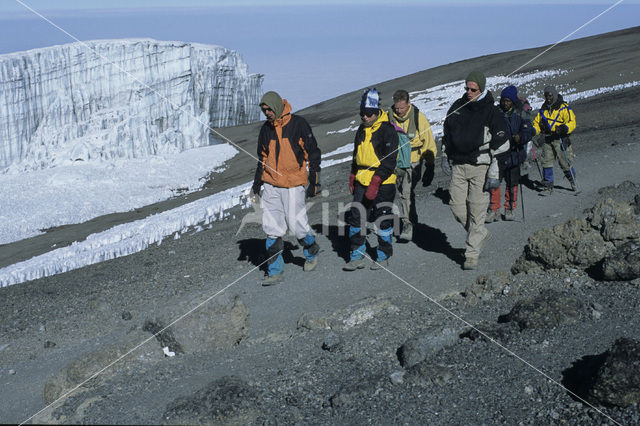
(520, 131)
(474, 134)
(556, 121)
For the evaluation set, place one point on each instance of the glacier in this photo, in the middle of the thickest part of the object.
(112, 99)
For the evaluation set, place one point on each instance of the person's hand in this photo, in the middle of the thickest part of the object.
(256, 188)
(516, 138)
(372, 189)
(314, 184)
(429, 172)
(562, 130)
(352, 183)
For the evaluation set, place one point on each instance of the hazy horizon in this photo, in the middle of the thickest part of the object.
(312, 53)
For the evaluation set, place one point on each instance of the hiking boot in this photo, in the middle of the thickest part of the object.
(492, 216)
(310, 265)
(354, 264)
(407, 232)
(270, 280)
(380, 264)
(470, 264)
(509, 215)
(547, 188)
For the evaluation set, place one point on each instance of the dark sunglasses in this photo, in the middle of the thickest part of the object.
(466, 89)
(266, 109)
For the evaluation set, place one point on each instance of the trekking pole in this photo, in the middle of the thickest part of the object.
(522, 200)
(537, 164)
(571, 172)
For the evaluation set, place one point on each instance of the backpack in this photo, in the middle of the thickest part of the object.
(526, 111)
(404, 148)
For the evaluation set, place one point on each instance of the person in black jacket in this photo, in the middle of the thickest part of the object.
(372, 182)
(474, 133)
(520, 132)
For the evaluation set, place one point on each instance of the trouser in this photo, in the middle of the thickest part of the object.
(510, 198)
(284, 208)
(512, 179)
(469, 204)
(553, 150)
(406, 181)
(378, 211)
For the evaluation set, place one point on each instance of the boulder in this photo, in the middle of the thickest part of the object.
(228, 400)
(623, 263)
(349, 317)
(617, 381)
(427, 343)
(549, 309)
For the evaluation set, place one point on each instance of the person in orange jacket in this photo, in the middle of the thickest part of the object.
(286, 147)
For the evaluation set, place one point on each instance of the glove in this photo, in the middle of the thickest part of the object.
(314, 184)
(446, 166)
(516, 138)
(490, 184)
(372, 189)
(562, 130)
(352, 183)
(429, 172)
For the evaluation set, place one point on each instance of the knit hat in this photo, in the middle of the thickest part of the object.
(510, 92)
(273, 101)
(477, 77)
(553, 91)
(370, 102)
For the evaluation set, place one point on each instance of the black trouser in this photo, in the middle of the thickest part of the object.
(379, 211)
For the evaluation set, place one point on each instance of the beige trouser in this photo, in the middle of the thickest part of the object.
(469, 204)
(553, 150)
(403, 183)
(284, 208)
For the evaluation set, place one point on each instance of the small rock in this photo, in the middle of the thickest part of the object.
(49, 344)
(397, 377)
(12, 372)
(528, 390)
(42, 328)
(126, 315)
(331, 342)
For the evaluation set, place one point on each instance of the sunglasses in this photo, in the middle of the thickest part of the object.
(265, 110)
(466, 89)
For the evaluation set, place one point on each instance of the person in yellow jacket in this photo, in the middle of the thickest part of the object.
(372, 182)
(556, 121)
(423, 150)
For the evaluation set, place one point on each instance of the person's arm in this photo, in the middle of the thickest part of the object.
(429, 149)
(388, 152)
(262, 156)
(312, 155)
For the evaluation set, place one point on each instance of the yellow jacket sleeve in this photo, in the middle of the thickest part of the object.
(428, 149)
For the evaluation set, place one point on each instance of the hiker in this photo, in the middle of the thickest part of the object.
(286, 146)
(474, 133)
(520, 132)
(416, 127)
(556, 121)
(372, 182)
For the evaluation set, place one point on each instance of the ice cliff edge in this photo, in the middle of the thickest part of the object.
(127, 98)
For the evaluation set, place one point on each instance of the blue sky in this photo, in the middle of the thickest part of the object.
(318, 50)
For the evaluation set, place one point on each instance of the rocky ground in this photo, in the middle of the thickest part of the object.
(545, 331)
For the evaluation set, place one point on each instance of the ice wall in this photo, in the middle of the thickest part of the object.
(129, 98)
